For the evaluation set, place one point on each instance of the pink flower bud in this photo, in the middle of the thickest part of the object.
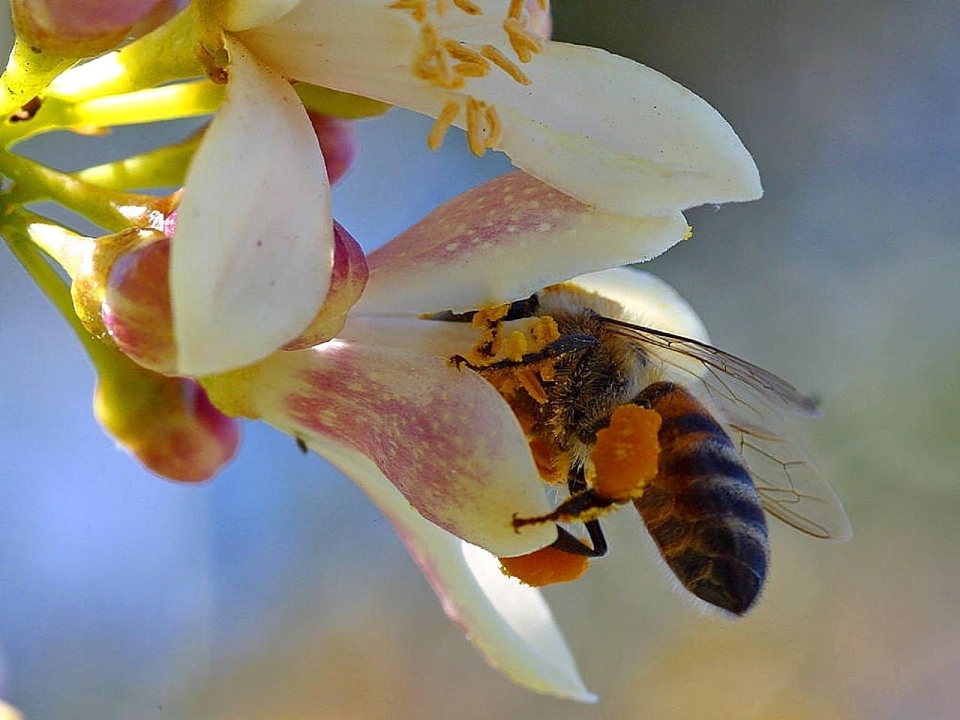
(167, 422)
(347, 281)
(136, 309)
(83, 28)
(339, 143)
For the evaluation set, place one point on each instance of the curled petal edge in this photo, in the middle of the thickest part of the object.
(509, 623)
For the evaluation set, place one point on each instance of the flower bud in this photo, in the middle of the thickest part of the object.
(167, 422)
(84, 28)
(347, 281)
(136, 309)
(339, 143)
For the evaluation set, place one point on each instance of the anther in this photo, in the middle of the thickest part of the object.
(461, 53)
(418, 8)
(471, 70)
(468, 7)
(496, 127)
(524, 42)
(516, 8)
(475, 137)
(492, 54)
(442, 124)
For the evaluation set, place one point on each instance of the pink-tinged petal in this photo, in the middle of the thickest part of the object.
(339, 141)
(541, 22)
(508, 622)
(503, 240)
(82, 28)
(347, 281)
(166, 422)
(253, 248)
(136, 306)
(443, 436)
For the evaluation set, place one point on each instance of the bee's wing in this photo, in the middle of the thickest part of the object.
(751, 402)
(790, 486)
(725, 368)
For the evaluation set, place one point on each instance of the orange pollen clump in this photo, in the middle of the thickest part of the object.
(546, 566)
(626, 454)
(448, 64)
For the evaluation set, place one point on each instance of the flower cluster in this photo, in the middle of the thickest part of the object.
(238, 295)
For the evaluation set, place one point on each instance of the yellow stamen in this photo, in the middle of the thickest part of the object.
(468, 7)
(475, 134)
(471, 70)
(496, 127)
(516, 8)
(417, 7)
(442, 7)
(504, 63)
(442, 124)
(525, 42)
(461, 53)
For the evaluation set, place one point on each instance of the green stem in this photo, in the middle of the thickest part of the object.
(164, 167)
(107, 208)
(25, 76)
(170, 102)
(14, 231)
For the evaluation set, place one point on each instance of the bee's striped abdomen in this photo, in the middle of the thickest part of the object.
(702, 508)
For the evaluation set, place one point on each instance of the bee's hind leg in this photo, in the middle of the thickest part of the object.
(570, 543)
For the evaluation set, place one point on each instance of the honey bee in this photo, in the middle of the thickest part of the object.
(724, 458)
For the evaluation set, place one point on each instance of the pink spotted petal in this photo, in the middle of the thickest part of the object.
(442, 436)
(508, 622)
(503, 240)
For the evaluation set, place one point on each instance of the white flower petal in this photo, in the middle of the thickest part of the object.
(244, 14)
(444, 437)
(619, 135)
(605, 129)
(253, 249)
(501, 241)
(508, 622)
(647, 300)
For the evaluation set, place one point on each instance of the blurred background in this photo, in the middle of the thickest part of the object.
(278, 591)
